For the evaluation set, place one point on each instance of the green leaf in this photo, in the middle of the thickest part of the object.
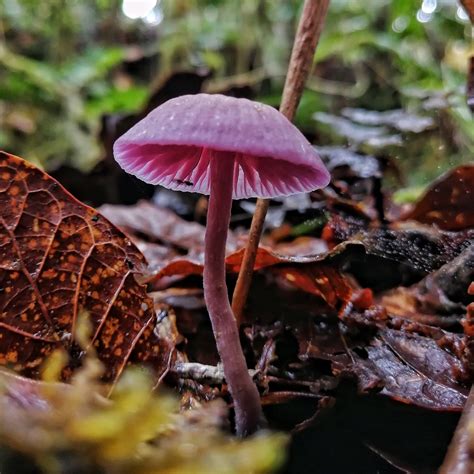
(94, 64)
(111, 101)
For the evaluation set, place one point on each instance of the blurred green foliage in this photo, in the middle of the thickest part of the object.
(66, 63)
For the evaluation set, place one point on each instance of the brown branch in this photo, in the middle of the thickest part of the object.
(468, 5)
(203, 373)
(244, 279)
(306, 39)
(470, 83)
(460, 459)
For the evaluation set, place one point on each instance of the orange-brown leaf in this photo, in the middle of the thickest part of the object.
(308, 273)
(448, 202)
(59, 258)
(469, 7)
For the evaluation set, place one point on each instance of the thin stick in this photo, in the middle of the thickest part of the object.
(244, 279)
(306, 39)
(203, 373)
(460, 459)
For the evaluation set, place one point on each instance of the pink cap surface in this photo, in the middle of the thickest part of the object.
(173, 145)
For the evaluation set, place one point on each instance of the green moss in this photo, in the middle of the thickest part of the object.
(74, 428)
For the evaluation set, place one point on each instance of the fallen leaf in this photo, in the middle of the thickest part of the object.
(305, 272)
(448, 201)
(355, 133)
(419, 247)
(439, 298)
(406, 366)
(157, 224)
(411, 369)
(346, 162)
(320, 280)
(60, 258)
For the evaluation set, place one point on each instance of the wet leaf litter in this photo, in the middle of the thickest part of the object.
(356, 300)
(315, 323)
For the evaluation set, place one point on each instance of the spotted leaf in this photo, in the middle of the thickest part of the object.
(447, 203)
(58, 259)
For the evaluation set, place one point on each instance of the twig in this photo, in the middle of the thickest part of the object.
(203, 373)
(307, 36)
(470, 84)
(468, 6)
(244, 279)
(459, 459)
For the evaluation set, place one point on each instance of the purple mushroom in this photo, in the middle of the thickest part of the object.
(230, 149)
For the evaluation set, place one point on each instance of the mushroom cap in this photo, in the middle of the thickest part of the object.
(173, 145)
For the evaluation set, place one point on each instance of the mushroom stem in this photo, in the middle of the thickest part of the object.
(248, 411)
(306, 40)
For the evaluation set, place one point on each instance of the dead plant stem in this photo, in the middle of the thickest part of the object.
(306, 39)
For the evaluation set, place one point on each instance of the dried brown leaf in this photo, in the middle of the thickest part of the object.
(60, 258)
(448, 202)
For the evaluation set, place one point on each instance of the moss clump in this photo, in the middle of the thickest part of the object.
(56, 428)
